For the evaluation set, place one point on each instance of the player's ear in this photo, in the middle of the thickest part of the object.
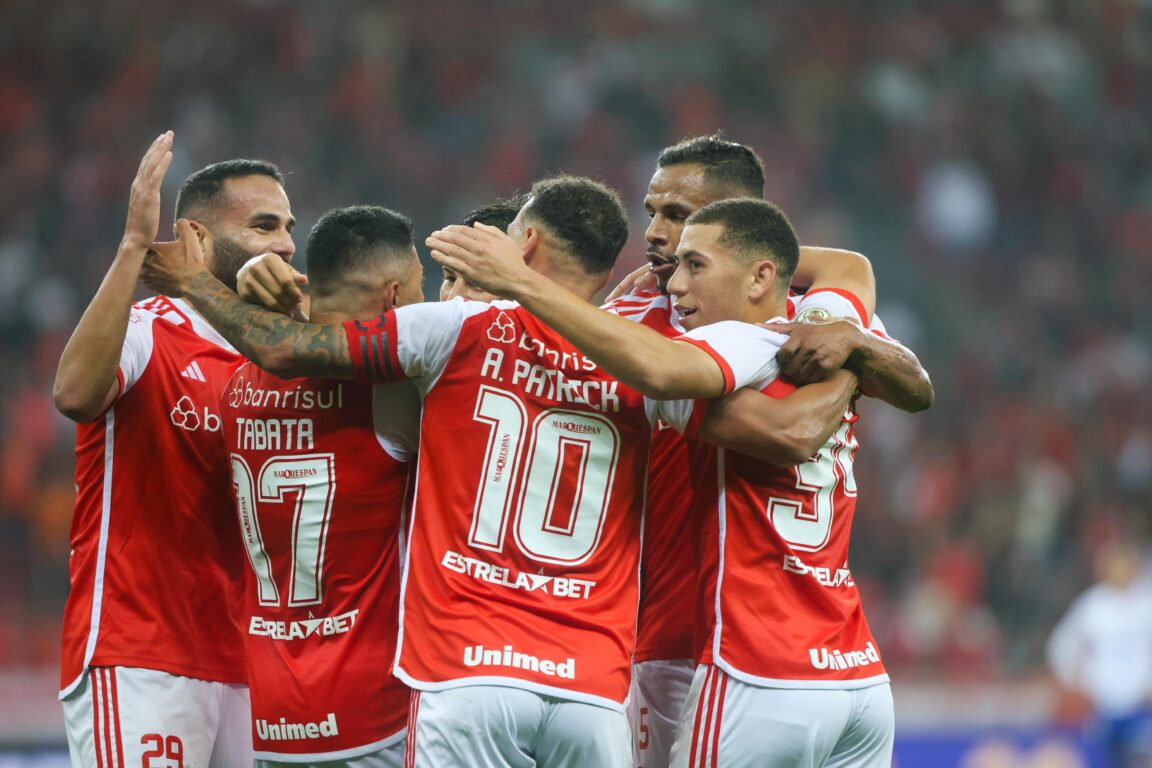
(762, 279)
(391, 296)
(531, 240)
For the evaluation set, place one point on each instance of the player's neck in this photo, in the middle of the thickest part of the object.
(758, 312)
(347, 305)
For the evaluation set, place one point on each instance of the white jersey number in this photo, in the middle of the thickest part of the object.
(567, 470)
(313, 478)
(807, 524)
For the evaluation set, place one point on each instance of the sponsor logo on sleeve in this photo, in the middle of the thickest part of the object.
(813, 315)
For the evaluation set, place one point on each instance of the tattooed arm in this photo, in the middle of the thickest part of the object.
(272, 341)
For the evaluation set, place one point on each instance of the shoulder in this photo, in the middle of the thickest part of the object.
(736, 331)
(636, 302)
(149, 310)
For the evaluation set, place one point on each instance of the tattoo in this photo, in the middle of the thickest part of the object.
(272, 341)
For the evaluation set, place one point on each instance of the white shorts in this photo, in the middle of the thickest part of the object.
(488, 726)
(388, 757)
(730, 723)
(659, 689)
(141, 718)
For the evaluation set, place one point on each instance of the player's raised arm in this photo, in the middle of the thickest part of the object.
(847, 272)
(781, 431)
(841, 289)
(641, 358)
(272, 341)
(86, 382)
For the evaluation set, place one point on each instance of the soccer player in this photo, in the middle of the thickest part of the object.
(320, 469)
(498, 214)
(519, 597)
(790, 673)
(271, 282)
(688, 176)
(153, 662)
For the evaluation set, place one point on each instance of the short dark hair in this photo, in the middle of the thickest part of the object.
(346, 240)
(754, 229)
(726, 163)
(204, 187)
(585, 216)
(496, 214)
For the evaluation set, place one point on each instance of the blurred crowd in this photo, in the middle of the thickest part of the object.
(993, 159)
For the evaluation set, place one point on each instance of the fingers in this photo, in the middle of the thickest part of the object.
(155, 162)
(271, 282)
(189, 241)
(448, 254)
(630, 283)
(159, 146)
(780, 327)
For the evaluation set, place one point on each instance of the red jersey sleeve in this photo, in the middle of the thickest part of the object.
(372, 346)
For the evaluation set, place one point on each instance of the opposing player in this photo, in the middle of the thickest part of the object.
(689, 175)
(153, 662)
(320, 469)
(790, 673)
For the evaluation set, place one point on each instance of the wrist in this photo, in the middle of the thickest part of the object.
(526, 288)
(131, 245)
(199, 282)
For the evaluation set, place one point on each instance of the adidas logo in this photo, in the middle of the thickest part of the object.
(193, 372)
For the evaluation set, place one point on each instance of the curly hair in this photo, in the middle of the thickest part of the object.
(586, 218)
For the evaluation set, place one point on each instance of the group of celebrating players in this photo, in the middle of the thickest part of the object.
(508, 528)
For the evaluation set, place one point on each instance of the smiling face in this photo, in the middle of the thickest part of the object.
(675, 193)
(252, 216)
(711, 283)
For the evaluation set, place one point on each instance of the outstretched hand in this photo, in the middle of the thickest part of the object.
(144, 200)
(815, 350)
(484, 256)
(172, 266)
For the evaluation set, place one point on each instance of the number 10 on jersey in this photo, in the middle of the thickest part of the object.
(563, 476)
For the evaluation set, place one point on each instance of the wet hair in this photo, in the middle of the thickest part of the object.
(753, 230)
(585, 217)
(204, 188)
(347, 240)
(496, 214)
(726, 163)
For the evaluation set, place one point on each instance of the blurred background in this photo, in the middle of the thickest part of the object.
(993, 158)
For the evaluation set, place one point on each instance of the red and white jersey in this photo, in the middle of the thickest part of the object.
(681, 470)
(824, 303)
(524, 540)
(777, 599)
(320, 474)
(665, 625)
(156, 564)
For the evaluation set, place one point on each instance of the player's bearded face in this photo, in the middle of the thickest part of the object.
(227, 258)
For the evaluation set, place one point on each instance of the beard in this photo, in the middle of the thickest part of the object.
(227, 258)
